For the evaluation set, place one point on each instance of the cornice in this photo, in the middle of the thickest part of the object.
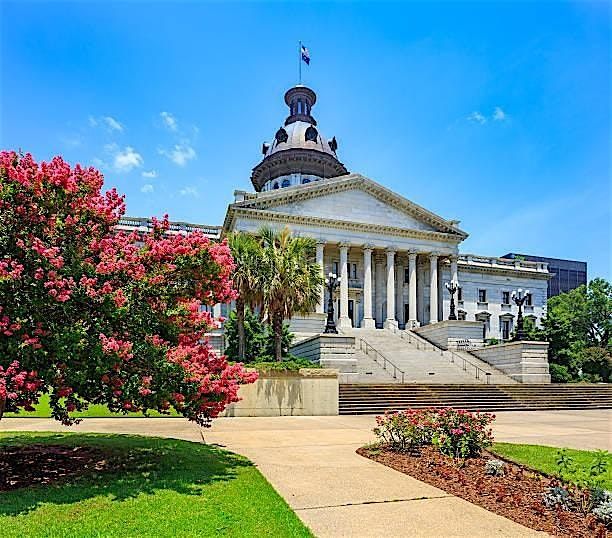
(508, 271)
(260, 214)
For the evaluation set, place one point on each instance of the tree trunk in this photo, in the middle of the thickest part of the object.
(240, 328)
(278, 336)
(2, 407)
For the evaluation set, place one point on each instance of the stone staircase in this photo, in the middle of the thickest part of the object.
(364, 399)
(420, 361)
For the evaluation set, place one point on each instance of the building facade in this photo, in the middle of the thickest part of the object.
(393, 256)
(566, 275)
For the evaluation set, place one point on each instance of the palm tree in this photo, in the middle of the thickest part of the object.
(247, 254)
(291, 279)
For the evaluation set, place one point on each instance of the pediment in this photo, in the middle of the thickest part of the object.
(351, 198)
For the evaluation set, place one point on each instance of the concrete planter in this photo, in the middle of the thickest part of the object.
(306, 392)
(527, 362)
(330, 351)
(453, 334)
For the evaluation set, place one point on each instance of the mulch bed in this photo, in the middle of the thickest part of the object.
(517, 495)
(32, 465)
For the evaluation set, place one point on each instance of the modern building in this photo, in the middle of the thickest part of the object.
(566, 275)
(393, 255)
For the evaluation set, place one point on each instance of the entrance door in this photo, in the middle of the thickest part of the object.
(351, 311)
(406, 312)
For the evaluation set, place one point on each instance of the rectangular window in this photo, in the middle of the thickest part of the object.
(505, 329)
(336, 267)
(460, 294)
(482, 296)
(406, 276)
(505, 297)
(529, 300)
(355, 270)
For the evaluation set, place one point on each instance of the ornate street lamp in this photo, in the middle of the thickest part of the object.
(331, 282)
(452, 288)
(519, 299)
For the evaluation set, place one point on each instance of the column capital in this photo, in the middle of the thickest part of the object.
(391, 250)
(434, 255)
(412, 255)
(344, 245)
(367, 246)
(321, 242)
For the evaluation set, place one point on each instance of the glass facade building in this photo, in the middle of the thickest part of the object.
(566, 274)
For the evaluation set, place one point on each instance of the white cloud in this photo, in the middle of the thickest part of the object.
(149, 174)
(126, 159)
(477, 117)
(93, 122)
(179, 154)
(112, 124)
(189, 191)
(499, 114)
(169, 121)
(147, 188)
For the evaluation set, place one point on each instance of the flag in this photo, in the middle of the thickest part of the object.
(305, 55)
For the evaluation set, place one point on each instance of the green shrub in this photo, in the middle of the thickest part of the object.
(559, 373)
(290, 363)
(455, 432)
(258, 336)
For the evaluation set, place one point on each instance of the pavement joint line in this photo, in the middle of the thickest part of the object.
(386, 501)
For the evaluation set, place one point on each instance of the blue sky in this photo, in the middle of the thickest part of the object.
(496, 114)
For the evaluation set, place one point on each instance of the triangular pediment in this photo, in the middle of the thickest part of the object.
(350, 198)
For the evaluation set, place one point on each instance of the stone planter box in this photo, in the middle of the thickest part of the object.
(453, 334)
(527, 362)
(307, 392)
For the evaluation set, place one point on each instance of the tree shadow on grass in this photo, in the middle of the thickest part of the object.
(136, 466)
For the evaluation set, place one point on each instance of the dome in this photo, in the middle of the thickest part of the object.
(298, 152)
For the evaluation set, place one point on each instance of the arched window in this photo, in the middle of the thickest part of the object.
(311, 134)
(275, 185)
(305, 180)
(286, 183)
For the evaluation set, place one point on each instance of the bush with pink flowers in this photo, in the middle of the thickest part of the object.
(455, 432)
(90, 315)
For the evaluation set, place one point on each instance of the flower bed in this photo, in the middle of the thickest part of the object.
(446, 448)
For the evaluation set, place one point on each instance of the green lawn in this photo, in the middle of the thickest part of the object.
(164, 487)
(544, 458)
(42, 410)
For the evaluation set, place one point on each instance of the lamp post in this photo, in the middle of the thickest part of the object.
(519, 297)
(331, 282)
(452, 288)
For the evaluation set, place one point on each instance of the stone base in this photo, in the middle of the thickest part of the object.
(390, 324)
(345, 323)
(368, 323)
(526, 362)
(330, 351)
(453, 334)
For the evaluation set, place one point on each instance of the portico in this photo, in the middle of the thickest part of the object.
(386, 276)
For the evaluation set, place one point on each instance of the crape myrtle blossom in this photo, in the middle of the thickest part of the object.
(94, 316)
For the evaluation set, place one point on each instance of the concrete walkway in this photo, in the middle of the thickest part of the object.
(311, 462)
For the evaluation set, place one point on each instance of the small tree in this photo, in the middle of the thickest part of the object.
(292, 279)
(94, 316)
(246, 276)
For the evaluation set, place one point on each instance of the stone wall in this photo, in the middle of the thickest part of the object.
(527, 362)
(452, 334)
(307, 392)
(330, 351)
(310, 324)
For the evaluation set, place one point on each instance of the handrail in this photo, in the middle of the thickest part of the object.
(420, 341)
(396, 369)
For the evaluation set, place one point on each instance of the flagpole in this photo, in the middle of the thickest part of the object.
(300, 61)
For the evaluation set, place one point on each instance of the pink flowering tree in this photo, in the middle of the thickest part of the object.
(94, 316)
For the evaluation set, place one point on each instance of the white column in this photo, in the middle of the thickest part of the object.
(344, 322)
(453, 269)
(390, 321)
(399, 288)
(412, 288)
(321, 303)
(433, 288)
(368, 321)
